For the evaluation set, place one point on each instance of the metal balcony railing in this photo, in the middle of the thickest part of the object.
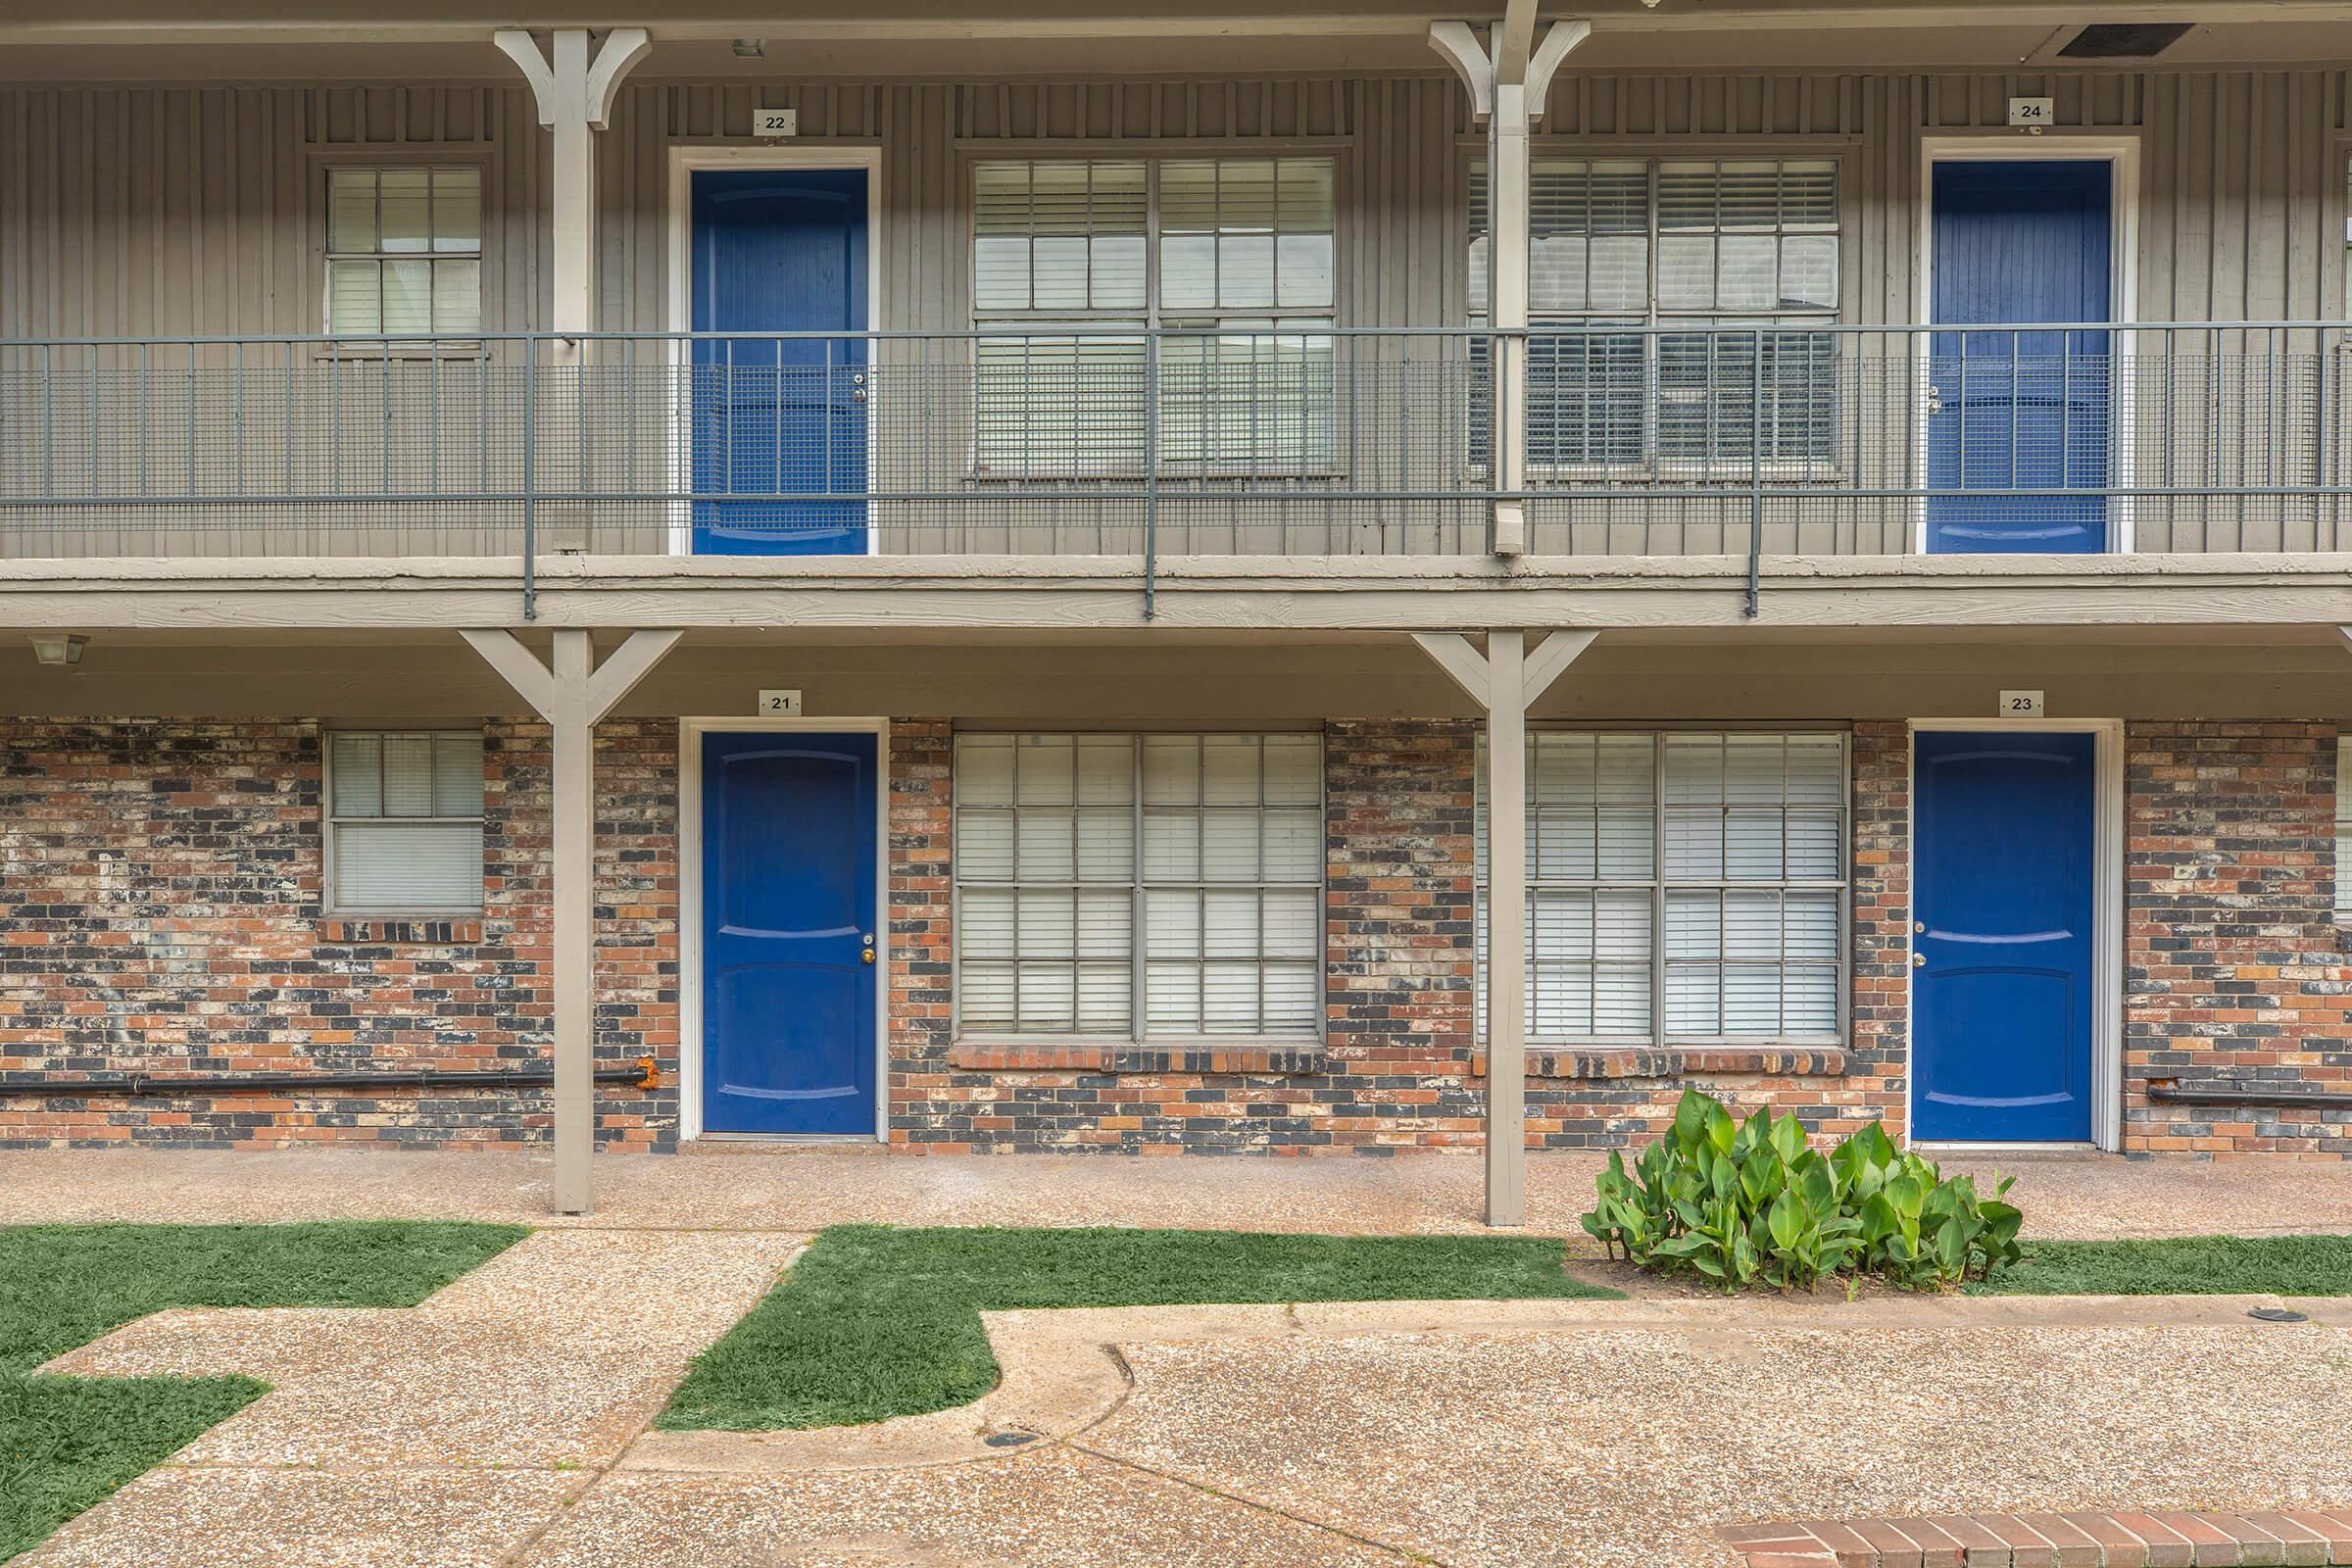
(1651, 439)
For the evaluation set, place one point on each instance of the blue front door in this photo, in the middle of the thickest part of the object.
(2002, 1004)
(779, 251)
(2025, 412)
(788, 933)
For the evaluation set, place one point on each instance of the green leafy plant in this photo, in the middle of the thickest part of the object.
(1736, 1202)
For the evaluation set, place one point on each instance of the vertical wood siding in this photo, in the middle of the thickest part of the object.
(156, 211)
(133, 209)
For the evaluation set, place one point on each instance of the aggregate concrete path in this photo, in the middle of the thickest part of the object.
(503, 1423)
(768, 1187)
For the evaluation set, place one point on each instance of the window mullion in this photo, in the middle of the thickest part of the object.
(1151, 248)
(1652, 350)
(1658, 888)
(1258, 836)
(1201, 884)
(1136, 900)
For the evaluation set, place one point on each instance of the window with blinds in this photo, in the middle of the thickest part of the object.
(404, 250)
(1183, 870)
(2343, 828)
(1076, 260)
(404, 821)
(1683, 887)
(1745, 252)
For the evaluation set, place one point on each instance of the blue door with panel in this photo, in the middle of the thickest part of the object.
(788, 891)
(2021, 412)
(2001, 1002)
(779, 251)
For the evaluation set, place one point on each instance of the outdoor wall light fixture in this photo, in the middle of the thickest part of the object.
(750, 48)
(61, 648)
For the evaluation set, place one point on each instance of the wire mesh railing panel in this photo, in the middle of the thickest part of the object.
(2013, 439)
(1638, 440)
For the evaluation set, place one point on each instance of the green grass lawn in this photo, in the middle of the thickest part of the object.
(66, 1442)
(875, 1321)
(2193, 1265)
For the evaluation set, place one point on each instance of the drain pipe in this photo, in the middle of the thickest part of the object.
(645, 1075)
(2168, 1092)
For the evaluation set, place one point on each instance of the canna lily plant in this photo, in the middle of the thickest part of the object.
(1738, 1202)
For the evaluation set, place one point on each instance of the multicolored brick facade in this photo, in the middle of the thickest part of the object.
(160, 913)
(2233, 974)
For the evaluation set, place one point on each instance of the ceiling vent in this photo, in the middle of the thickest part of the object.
(2123, 41)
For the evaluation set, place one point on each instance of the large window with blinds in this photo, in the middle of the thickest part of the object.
(1074, 259)
(1731, 265)
(1139, 886)
(1682, 886)
(404, 821)
(404, 250)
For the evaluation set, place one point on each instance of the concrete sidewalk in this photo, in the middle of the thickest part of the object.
(771, 1188)
(502, 1425)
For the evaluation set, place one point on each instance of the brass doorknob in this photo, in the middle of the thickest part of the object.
(870, 954)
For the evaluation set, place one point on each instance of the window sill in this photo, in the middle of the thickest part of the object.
(402, 930)
(1709, 474)
(1679, 1061)
(1006, 478)
(468, 351)
(1301, 1060)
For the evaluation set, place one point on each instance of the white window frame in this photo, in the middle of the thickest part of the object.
(1655, 323)
(330, 899)
(1658, 885)
(1139, 888)
(438, 343)
(1271, 322)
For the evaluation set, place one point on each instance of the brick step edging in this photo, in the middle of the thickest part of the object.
(2124, 1538)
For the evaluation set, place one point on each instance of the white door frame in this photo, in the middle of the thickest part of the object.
(690, 905)
(2121, 150)
(2107, 926)
(684, 160)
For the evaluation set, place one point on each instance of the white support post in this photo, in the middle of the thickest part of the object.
(571, 697)
(575, 92)
(1509, 81)
(1504, 682)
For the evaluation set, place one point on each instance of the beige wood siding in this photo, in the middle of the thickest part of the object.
(129, 211)
(136, 212)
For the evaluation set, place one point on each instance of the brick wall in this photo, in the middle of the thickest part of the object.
(1399, 825)
(927, 1108)
(160, 913)
(2233, 973)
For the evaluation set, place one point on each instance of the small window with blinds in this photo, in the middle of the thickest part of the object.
(1139, 886)
(404, 821)
(1074, 261)
(1683, 887)
(403, 251)
(1744, 252)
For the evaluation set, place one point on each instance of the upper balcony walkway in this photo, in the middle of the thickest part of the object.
(1128, 449)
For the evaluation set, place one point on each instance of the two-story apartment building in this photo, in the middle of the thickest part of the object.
(988, 579)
